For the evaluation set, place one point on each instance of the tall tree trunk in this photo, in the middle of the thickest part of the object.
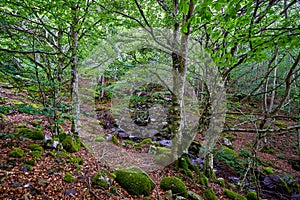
(74, 89)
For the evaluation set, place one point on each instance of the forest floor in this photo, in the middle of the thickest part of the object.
(45, 179)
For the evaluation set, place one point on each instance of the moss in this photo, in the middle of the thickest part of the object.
(183, 163)
(30, 162)
(16, 153)
(69, 178)
(268, 170)
(71, 144)
(2, 117)
(230, 137)
(135, 181)
(175, 185)
(251, 196)
(79, 160)
(203, 180)
(229, 153)
(35, 154)
(234, 195)
(99, 181)
(113, 190)
(220, 181)
(163, 156)
(100, 138)
(210, 195)
(27, 167)
(34, 134)
(280, 124)
(115, 140)
(145, 141)
(36, 147)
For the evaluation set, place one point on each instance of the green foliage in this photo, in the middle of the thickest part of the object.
(69, 178)
(233, 195)
(36, 154)
(36, 147)
(113, 190)
(134, 181)
(34, 134)
(16, 153)
(5, 109)
(268, 170)
(209, 194)
(251, 196)
(175, 184)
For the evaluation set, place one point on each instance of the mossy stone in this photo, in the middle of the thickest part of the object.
(135, 181)
(36, 147)
(71, 144)
(203, 180)
(16, 153)
(35, 154)
(210, 195)
(100, 181)
(233, 195)
(69, 178)
(174, 184)
(34, 134)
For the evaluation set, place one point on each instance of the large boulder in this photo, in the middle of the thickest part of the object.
(174, 184)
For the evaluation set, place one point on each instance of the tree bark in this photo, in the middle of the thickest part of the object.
(74, 89)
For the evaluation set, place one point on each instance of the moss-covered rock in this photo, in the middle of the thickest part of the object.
(16, 153)
(36, 155)
(99, 181)
(143, 142)
(183, 164)
(69, 178)
(174, 184)
(233, 195)
(36, 147)
(34, 134)
(135, 181)
(202, 179)
(210, 195)
(70, 143)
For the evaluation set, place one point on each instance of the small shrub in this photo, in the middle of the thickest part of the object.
(174, 184)
(16, 153)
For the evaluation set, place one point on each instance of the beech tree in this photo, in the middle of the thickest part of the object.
(43, 42)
